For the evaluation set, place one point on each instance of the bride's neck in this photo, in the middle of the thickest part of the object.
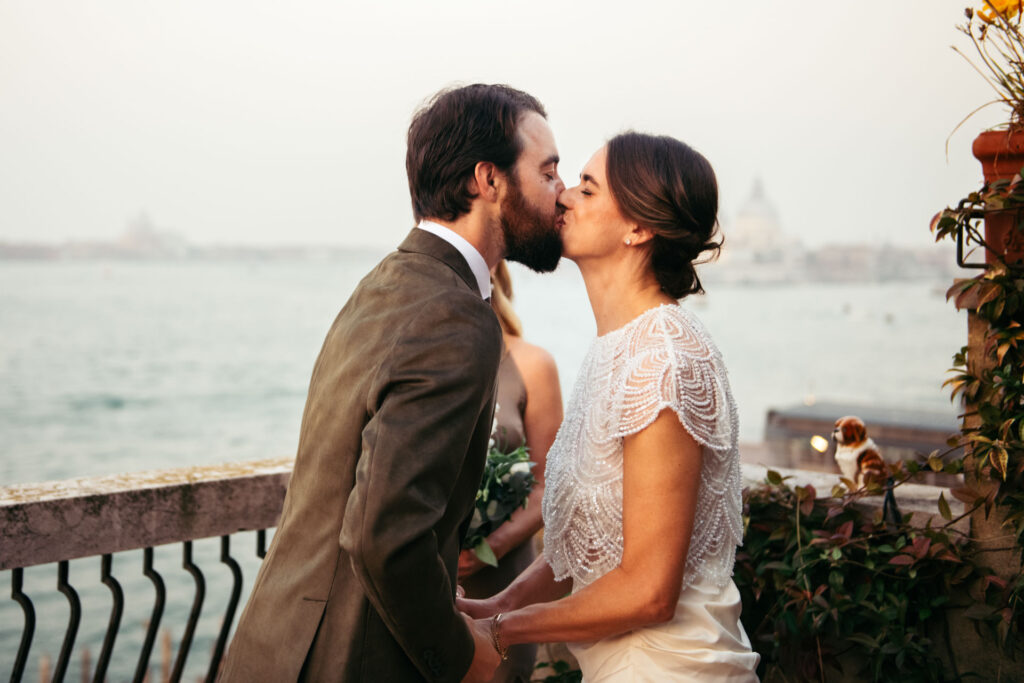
(620, 291)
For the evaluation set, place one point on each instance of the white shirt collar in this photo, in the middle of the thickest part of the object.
(473, 258)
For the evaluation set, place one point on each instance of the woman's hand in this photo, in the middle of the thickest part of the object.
(469, 563)
(477, 609)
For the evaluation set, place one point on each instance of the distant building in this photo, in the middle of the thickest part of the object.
(756, 249)
(142, 238)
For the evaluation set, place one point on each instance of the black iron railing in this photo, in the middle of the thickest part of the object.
(46, 524)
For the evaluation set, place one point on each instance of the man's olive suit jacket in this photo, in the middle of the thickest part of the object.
(359, 580)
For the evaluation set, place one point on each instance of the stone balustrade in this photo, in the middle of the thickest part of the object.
(64, 520)
(55, 522)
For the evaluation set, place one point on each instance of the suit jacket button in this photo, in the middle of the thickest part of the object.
(433, 662)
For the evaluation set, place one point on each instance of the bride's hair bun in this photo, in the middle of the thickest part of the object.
(664, 185)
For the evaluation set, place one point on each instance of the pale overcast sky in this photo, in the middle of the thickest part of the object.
(236, 121)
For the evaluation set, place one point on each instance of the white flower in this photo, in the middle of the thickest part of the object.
(523, 467)
(477, 519)
(492, 508)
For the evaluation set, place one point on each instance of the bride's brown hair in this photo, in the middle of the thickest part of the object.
(664, 185)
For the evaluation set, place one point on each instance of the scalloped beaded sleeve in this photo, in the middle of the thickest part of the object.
(662, 359)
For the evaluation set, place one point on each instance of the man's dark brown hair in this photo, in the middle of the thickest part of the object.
(457, 129)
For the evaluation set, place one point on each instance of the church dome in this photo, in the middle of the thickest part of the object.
(756, 225)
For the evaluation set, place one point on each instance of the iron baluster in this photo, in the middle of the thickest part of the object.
(154, 621)
(229, 615)
(17, 579)
(193, 617)
(261, 543)
(116, 610)
(73, 620)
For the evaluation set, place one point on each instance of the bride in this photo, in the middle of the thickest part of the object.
(642, 505)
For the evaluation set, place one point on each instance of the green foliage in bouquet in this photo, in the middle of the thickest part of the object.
(506, 483)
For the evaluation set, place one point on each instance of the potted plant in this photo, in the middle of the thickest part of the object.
(995, 34)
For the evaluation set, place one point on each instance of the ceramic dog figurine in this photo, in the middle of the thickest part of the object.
(856, 454)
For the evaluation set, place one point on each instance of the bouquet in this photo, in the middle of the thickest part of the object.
(507, 481)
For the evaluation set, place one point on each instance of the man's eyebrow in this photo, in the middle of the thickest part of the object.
(587, 178)
(553, 159)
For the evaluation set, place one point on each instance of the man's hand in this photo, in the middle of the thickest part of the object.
(485, 657)
(469, 563)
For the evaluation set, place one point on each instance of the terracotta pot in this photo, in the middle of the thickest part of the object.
(1001, 154)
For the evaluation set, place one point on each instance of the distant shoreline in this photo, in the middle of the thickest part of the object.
(838, 263)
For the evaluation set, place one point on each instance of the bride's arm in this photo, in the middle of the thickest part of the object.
(661, 476)
(534, 584)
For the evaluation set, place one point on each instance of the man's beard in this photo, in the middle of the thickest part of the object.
(531, 238)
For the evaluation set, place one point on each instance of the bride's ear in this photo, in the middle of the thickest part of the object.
(639, 235)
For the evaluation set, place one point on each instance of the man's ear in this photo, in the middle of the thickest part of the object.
(487, 179)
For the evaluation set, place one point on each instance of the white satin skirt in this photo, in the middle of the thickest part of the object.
(704, 642)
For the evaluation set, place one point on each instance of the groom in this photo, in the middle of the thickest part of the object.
(359, 581)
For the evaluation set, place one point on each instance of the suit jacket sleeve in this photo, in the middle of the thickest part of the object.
(427, 400)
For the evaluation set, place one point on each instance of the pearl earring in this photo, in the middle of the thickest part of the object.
(628, 241)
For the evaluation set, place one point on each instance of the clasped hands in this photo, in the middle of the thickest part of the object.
(477, 614)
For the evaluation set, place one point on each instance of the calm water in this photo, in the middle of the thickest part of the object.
(108, 367)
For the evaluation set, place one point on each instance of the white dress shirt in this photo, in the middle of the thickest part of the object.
(473, 258)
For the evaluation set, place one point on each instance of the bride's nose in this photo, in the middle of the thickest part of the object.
(565, 198)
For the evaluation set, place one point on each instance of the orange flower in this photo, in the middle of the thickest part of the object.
(994, 8)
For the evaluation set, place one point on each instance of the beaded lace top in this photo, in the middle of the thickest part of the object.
(664, 358)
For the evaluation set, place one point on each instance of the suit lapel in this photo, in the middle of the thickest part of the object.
(422, 242)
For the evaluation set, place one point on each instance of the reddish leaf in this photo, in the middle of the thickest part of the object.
(989, 291)
(958, 288)
(902, 560)
(807, 507)
(966, 495)
(919, 548)
(993, 579)
(843, 532)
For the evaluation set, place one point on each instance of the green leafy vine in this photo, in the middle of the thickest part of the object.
(833, 590)
(990, 379)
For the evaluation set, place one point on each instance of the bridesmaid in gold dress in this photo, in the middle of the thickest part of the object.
(529, 411)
